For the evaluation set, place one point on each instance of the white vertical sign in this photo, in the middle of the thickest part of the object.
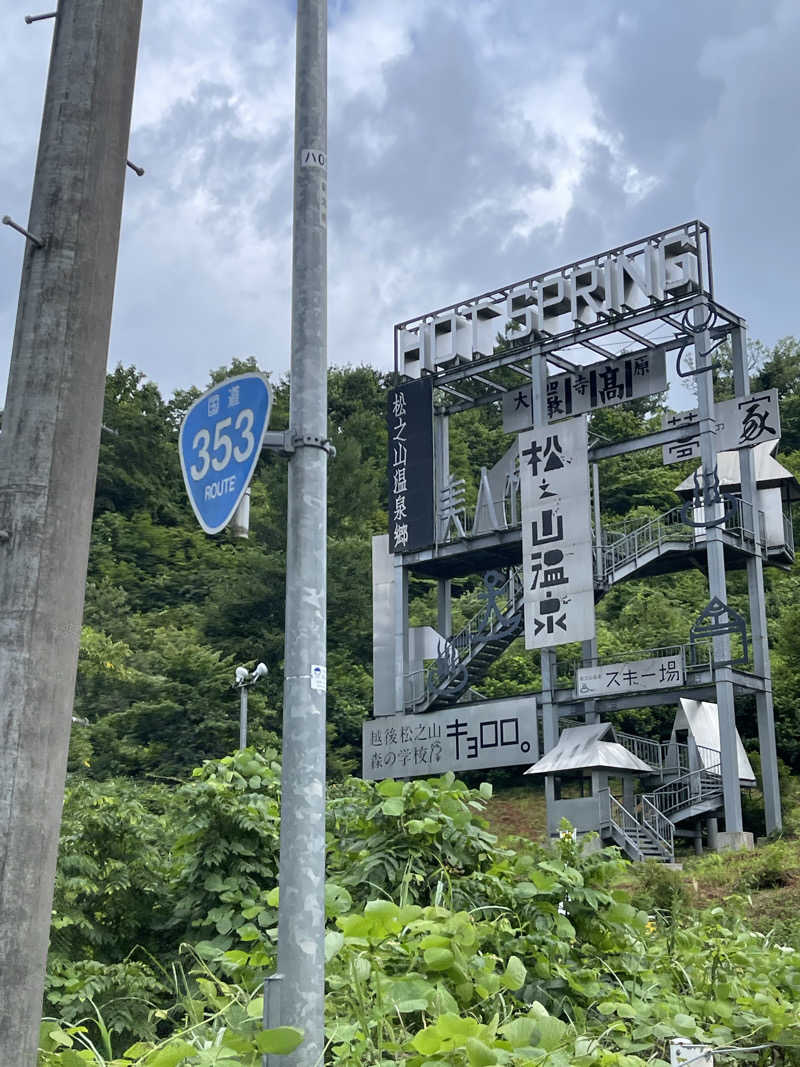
(557, 534)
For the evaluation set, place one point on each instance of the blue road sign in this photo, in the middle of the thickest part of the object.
(220, 442)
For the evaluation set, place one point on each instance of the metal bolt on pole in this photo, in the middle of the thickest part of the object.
(48, 467)
(301, 924)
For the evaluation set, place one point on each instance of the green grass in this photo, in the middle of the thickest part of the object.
(518, 812)
(763, 884)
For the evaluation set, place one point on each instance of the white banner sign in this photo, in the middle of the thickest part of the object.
(738, 423)
(600, 385)
(556, 535)
(500, 733)
(634, 677)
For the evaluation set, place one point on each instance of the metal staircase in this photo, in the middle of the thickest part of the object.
(466, 657)
(637, 837)
(627, 551)
(648, 832)
(696, 793)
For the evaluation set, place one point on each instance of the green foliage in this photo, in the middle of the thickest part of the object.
(416, 834)
(659, 887)
(114, 869)
(213, 1022)
(442, 948)
(138, 465)
(227, 854)
(774, 864)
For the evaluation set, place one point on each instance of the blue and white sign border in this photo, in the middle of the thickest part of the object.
(219, 388)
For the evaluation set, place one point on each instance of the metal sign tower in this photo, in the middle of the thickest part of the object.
(548, 351)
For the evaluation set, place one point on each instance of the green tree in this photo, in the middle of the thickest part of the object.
(138, 465)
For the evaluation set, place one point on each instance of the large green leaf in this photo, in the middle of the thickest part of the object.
(171, 1054)
(514, 974)
(393, 806)
(279, 1041)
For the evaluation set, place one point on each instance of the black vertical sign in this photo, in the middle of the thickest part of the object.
(411, 512)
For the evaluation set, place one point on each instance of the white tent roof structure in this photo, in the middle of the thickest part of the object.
(700, 718)
(585, 748)
(769, 472)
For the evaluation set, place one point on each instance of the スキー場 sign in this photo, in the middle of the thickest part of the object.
(557, 554)
(220, 442)
(637, 676)
(460, 738)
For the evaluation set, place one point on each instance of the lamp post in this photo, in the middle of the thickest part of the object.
(244, 679)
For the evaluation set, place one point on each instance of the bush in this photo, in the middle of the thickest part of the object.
(658, 887)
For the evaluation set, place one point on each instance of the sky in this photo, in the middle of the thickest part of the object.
(471, 144)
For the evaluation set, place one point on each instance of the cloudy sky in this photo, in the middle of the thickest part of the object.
(471, 143)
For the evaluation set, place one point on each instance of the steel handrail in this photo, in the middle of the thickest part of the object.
(620, 548)
(658, 824)
(679, 793)
(642, 747)
(472, 637)
(626, 823)
(464, 638)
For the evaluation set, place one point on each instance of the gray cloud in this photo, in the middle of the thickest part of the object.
(470, 144)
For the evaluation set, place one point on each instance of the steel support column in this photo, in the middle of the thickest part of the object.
(400, 633)
(758, 612)
(444, 607)
(301, 925)
(48, 467)
(715, 553)
(441, 479)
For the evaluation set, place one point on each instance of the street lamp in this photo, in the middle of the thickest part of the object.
(244, 679)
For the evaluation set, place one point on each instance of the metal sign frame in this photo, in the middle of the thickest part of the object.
(469, 376)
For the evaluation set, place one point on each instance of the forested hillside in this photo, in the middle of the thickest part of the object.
(170, 612)
(443, 948)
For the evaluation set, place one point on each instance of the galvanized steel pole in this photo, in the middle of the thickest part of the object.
(48, 465)
(715, 554)
(301, 925)
(243, 717)
(770, 781)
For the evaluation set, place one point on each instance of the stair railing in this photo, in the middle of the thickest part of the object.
(666, 756)
(690, 788)
(473, 632)
(662, 828)
(472, 637)
(625, 822)
(627, 545)
(642, 747)
(652, 534)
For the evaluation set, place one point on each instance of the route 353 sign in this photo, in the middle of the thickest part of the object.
(220, 442)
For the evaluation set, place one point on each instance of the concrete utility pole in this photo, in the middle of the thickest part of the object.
(301, 925)
(48, 465)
